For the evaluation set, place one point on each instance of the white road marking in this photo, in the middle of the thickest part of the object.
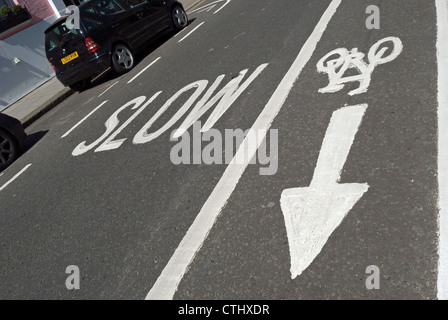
(110, 124)
(241, 34)
(224, 99)
(228, 1)
(191, 32)
(108, 144)
(167, 283)
(203, 9)
(181, 31)
(313, 213)
(146, 68)
(442, 60)
(84, 119)
(14, 178)
(210, 6)
(337, 67)
(107, 89)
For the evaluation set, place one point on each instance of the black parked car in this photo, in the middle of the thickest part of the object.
(12, 136)
(110, 32)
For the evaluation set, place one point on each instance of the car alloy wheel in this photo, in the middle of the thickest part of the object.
(122, 59)
(8, 149)
(180, 18)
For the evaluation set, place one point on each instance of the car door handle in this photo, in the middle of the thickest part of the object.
(140, 15)
(116, 25)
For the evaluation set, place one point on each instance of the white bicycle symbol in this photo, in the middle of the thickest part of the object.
(336, 68)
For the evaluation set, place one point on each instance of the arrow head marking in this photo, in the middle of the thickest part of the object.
(311, 215)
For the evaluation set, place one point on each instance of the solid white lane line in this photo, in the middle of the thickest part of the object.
(228, 1)
(146, 68)
(181, 31)
(191, 32)
(84, 119)
(107, 89)
(167, 283)
(442, 60)
(14, 178)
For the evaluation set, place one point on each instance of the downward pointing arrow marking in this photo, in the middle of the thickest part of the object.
(312, 214)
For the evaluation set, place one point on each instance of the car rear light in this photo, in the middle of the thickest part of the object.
(52, 65)
(91, 45)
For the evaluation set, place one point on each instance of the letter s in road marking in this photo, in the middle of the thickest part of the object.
(110, 125)
(108, 144)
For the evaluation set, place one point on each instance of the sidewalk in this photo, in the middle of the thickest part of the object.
(39, 101)
(50, 94)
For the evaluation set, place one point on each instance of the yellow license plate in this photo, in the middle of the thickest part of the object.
(70, 57)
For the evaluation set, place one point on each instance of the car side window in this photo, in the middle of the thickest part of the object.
(134, 3)
(107, 7)
(89, 18)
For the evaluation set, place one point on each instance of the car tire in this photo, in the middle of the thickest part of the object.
(179, 18)
(8, 149)
(122, 59)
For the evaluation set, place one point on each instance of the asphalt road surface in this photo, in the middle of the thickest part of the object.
(358, 155)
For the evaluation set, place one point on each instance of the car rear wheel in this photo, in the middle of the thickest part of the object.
(122, 59)
(8, 149)
(179, 18)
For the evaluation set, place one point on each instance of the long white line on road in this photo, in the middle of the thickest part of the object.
(228, 1)
(108, 89)
(180, 32)
(146, 68)
(84, 119)
(442, 60)
(191, 32)
(167, 283)
(14, 178)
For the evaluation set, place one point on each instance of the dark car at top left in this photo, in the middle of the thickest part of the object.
(107, 33)
(12, 136)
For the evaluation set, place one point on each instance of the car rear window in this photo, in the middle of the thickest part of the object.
(58, 34)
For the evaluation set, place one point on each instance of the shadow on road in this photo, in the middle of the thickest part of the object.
(32, 140)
